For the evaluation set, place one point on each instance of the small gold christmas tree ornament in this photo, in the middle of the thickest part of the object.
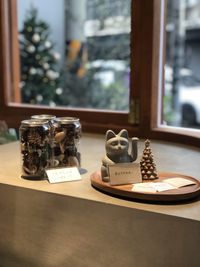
(147, 165)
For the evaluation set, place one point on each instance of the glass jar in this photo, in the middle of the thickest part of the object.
(66, 142)
(53, 126)
(35, 148)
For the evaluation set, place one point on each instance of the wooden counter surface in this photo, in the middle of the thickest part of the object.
(168, 157)
(73, 225)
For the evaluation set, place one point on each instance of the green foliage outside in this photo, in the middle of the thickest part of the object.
(168, 112)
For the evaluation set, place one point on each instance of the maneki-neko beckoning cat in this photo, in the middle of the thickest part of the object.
(117, 151)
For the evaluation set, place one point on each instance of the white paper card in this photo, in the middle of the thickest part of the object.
(160, 187)
(144, 188)
(124, 173)
(178, 181)
(60, 175)
(152, 187)
(167, 184)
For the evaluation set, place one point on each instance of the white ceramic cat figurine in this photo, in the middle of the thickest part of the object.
(117, 146)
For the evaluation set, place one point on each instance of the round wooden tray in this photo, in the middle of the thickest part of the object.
(124, 191)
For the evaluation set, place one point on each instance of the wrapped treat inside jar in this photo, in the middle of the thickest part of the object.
(35, 148)
(67, 138)
(47, 117)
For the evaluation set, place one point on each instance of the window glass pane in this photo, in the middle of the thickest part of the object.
(182, 69)
(75, 53)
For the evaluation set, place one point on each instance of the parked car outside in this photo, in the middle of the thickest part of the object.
(188, 96)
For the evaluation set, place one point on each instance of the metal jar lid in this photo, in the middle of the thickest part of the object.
(67, 120)
(33, 123)
(43, 117)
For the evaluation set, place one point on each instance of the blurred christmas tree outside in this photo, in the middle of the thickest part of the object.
(40, 75)
(95, 73)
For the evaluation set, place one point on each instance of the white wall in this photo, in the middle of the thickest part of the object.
(52, 12)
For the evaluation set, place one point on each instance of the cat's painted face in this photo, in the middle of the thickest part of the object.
(117, 144)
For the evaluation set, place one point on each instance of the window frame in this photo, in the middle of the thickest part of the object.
(147, 57)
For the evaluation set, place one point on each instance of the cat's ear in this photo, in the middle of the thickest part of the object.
(123, 133)
(110, 134)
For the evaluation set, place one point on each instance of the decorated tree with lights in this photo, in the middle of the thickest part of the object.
(40, 76)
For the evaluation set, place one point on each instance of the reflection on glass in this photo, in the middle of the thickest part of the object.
(75, 53)
(182, 69)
